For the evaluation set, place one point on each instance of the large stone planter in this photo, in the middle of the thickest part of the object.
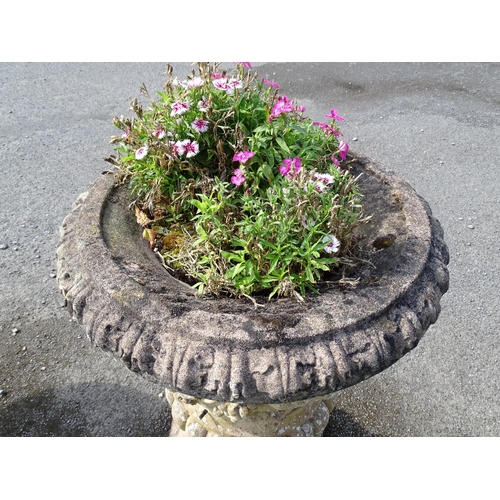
(231, 368)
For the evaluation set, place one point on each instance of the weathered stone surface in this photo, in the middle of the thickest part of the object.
(194, 417)
(225, 349)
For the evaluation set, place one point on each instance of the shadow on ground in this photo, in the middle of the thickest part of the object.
(101, 410)
(341, 424)
(92, 409)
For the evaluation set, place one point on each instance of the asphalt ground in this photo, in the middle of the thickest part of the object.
(436, 124)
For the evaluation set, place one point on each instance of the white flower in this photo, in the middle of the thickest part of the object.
(333, 244)
(141, 153)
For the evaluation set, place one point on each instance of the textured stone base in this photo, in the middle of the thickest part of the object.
(193, 417)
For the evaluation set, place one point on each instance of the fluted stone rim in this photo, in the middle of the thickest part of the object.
(225, 349)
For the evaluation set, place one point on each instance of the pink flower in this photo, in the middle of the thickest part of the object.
(333, 244)
(188, 147)
(328, 130)
(300, 109)
(283, 105)
(239, 177)
(141, 153)
(290, 163)
(216, 76)
(244, 64)
(334, 116)
(200, 125)
(270, 82)
(126, 133)
(243, 156)
(343, 147)
(179, 108)
(159, 132)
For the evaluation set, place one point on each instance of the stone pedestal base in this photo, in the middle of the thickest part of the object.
(193, 417)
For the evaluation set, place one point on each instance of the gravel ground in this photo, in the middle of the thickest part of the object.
(436, 124)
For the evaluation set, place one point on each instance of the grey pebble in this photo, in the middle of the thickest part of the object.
(470, 226)
(14, 331)
(52, 275)
(2, 393)
(3, 246)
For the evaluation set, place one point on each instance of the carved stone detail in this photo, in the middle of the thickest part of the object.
(194, 417)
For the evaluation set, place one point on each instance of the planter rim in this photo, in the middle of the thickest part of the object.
(225, 349)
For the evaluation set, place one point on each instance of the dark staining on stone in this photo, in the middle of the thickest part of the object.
(384, 241)
(177, 311)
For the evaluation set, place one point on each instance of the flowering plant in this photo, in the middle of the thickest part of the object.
(237, 191)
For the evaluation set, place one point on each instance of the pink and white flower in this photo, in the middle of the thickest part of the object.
(325, 178)
(227, 84)
(203, 104)
(141, 153)
(197, 81)
(308, 223)
(244, 64)
(222, 84)
(126, 134)
(188, 148)
(179, 108)
(235, 83)
(333, 244)
(200, 125)
(159, 133)
(318, 186)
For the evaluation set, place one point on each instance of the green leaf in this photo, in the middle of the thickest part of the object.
(268, 171)
(283, 145)
(299, 129)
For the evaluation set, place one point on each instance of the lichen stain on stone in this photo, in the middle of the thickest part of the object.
(124, 296)
(114, 237)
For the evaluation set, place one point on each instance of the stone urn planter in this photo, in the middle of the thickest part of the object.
(229, 367)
